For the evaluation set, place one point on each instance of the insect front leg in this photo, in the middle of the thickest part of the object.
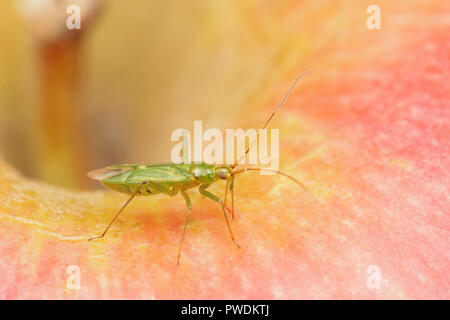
(226, 194)
(229, 186)
(188, 204)
(225, 198)
(217, 199)
(232, 196)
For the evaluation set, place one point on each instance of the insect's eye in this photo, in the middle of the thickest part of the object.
(223, 174)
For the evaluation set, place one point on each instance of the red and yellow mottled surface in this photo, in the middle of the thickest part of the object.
(367, 132)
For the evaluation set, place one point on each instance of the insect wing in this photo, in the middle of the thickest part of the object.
(105, 173)
(158, 174)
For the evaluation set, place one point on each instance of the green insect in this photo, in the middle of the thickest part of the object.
(171, 179)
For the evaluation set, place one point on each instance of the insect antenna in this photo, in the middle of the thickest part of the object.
(277, 172)
(234, 165)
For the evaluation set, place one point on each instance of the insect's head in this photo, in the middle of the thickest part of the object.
(223, 173)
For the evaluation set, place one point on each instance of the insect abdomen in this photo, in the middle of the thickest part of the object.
(130, 188)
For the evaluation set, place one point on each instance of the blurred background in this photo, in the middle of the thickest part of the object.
(113, 92)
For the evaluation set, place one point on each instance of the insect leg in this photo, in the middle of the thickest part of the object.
(188, 204)
(229, 186)
(225, 199)
(217, 199)
(232, 196)
(226, 193)
(118, 213)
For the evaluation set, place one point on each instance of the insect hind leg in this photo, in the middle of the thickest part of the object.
(118, 213)
(160, 188)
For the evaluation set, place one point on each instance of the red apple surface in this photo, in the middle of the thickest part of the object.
(367, 132)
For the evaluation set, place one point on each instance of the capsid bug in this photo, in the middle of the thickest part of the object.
(171, 179)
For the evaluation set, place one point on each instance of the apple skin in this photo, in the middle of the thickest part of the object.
(369, 138)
